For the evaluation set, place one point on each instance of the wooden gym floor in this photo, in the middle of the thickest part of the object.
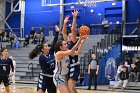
(30, 88)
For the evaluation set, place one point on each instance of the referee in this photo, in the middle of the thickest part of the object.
(93, 71)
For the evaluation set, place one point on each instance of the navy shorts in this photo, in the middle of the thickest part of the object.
(45, 82)
(74, 72)
(5, 80)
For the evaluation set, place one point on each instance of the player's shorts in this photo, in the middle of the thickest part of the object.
(74, 71)
(4, 79)
(46, 82)
(59, 80)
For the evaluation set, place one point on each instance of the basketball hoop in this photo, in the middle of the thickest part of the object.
(90, 3)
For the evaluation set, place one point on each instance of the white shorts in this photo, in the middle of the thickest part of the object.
(59, 80)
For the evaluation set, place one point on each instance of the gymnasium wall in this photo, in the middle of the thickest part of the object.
(132, 10)
(14, 18)
(112, 12)
(37, 15)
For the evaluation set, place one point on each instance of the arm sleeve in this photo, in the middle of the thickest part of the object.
(54, 42)
(97, 61)
(89, 61)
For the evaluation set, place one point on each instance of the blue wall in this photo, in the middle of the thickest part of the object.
(132, 10)
(37, 15)
(106, 9)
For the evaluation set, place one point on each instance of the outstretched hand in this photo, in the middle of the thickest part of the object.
(57, 29)
(66, 19)
(75, 13)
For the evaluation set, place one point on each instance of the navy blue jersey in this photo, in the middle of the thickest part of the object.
(5, 66)
(73, 59)
(74, 67)
(47, 62)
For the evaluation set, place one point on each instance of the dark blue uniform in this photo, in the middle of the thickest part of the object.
(74, 70)
(5, 66)
(47, 64)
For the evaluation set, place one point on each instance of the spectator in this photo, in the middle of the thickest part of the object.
(132, 72)
(17, 44)
(40, 30)
(32, 32)
(26, 42)
(35, 38)
(106, 25)
(119, 71)
(137, 63)
(126, 63)
(5, 37)
(41, 37)
(123, 78)
(128, 58)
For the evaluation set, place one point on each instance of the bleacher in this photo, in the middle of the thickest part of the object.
(130, 84)
(23, 70)
(28, 70)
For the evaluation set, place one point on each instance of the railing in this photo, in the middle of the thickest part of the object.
(131, 28)
(30, 67)
(101, 49)
(17, 32)
(115, 28)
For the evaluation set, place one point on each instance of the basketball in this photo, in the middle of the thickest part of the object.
(84, 30)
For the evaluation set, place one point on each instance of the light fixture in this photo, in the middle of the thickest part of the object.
(91, 12)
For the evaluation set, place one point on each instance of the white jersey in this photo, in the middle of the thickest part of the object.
(61, 72)
(61, 67)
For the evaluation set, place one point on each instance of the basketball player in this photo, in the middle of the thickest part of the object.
(74, 70)
(47, 64)
(62, 62)
(5, 65)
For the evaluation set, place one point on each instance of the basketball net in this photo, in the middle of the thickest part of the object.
(90, 3)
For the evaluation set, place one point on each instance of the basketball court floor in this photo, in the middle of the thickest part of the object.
(31, 88)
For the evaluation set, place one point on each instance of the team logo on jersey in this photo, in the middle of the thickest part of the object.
(4, 68)
(110, 69)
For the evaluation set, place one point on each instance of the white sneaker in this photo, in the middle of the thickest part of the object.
(14, 87)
